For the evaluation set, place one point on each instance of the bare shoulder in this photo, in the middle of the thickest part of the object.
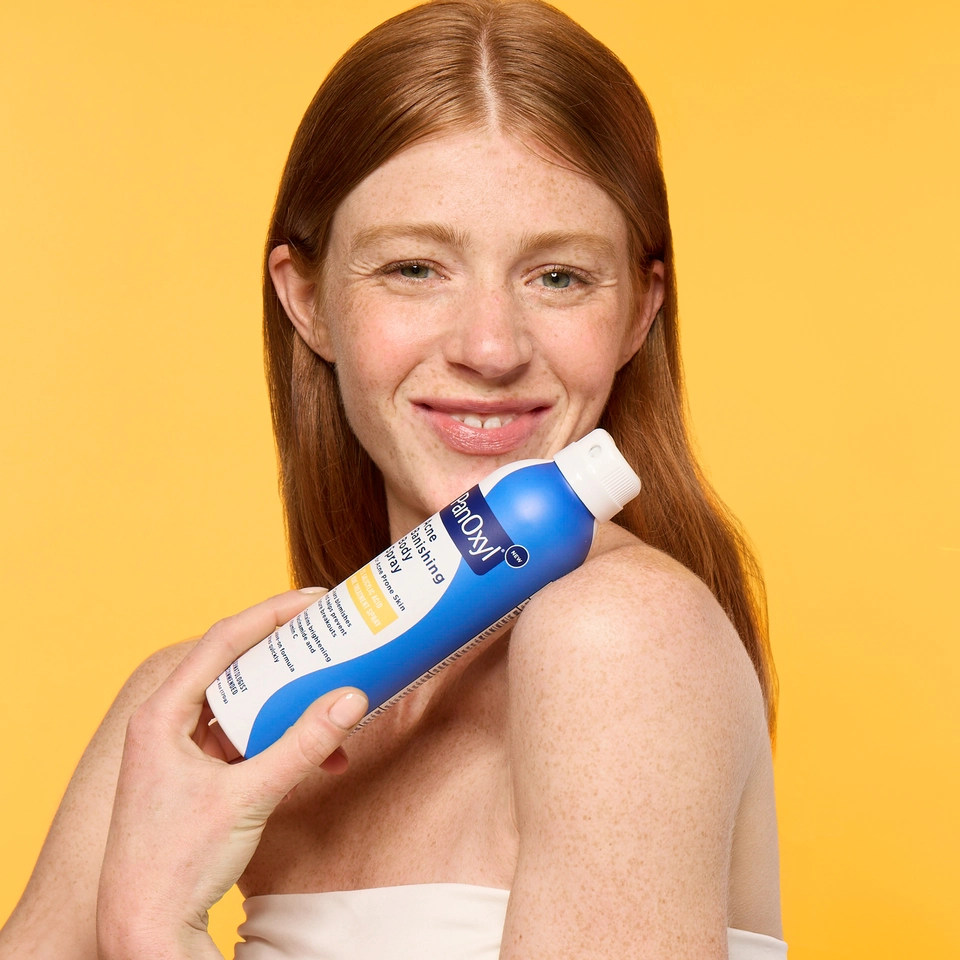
(56, 914)
(149, 675)
(636, 728)
(634, 616)
(109, 736)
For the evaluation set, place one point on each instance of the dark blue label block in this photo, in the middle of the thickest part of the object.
(476, 531)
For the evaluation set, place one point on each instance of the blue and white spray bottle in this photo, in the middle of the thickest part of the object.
(448, 584)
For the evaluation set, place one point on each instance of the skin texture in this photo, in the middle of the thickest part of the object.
(640, 840)
(481, 327)
(184, 822)
(175, 792)
(56, 917)
(611, 749)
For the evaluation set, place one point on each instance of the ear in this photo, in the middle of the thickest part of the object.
(298, 297)
(648, 306)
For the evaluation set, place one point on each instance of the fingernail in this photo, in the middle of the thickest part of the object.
(349, 710)
(313, 590)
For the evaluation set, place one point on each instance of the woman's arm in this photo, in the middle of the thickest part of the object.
(635, 720)
(155, 825)
(56, 916)
(185, 822)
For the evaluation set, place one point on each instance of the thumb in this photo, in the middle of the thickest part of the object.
(325, 724)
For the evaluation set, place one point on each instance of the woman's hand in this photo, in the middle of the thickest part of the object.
(186, 822)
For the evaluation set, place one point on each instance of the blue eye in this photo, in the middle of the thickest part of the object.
(556, 279)
(414, 271)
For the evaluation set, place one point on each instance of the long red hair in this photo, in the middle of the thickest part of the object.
(522, 65)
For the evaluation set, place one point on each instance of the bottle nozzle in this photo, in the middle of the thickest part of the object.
(599, 474)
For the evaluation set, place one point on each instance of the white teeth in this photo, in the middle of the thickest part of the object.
(491, 423)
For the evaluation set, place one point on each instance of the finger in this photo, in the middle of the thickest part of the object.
(211, 739)
(203, 736)
(183, 692)
(336, 763)
(304, 748)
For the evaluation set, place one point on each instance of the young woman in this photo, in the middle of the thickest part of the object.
(469, 263)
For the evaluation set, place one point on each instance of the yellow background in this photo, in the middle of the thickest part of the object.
(811, 152)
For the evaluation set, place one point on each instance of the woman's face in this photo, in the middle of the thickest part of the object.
(477, 300)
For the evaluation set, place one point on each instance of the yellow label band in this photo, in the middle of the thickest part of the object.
(374, 608)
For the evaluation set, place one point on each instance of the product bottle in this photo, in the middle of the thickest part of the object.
(449, 583)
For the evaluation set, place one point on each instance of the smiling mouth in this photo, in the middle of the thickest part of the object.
(484, 427)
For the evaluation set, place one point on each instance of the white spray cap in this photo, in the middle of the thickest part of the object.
(599, 474)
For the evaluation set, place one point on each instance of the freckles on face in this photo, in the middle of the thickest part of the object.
(478, 302)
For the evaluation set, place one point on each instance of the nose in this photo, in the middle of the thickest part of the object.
(488, 336)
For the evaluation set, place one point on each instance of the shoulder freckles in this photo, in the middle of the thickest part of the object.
(151, 673)
(633, 614)
(630, 586)
(101, 759)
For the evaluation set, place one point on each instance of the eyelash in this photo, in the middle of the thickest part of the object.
(574, 274)
(395, 268)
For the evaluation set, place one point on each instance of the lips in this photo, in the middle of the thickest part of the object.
(483, 428)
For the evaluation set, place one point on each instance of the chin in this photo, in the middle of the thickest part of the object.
(408, 507)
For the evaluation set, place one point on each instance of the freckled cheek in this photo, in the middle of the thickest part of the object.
(585, 360)
(366, 389)
(372, 364)
(395, 323)
(591, 388)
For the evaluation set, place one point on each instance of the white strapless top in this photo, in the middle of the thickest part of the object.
(425, 921)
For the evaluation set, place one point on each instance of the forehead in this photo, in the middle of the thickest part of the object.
(478, 185)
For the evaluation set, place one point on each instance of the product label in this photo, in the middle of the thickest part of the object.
(374, 607)
(481, 540)
(455, 578)
(389, 595)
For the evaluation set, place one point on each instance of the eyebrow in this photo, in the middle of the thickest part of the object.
(596, 244)
(451, 236)
(438, 232)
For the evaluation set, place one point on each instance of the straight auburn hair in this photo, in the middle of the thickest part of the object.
(524, 68)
